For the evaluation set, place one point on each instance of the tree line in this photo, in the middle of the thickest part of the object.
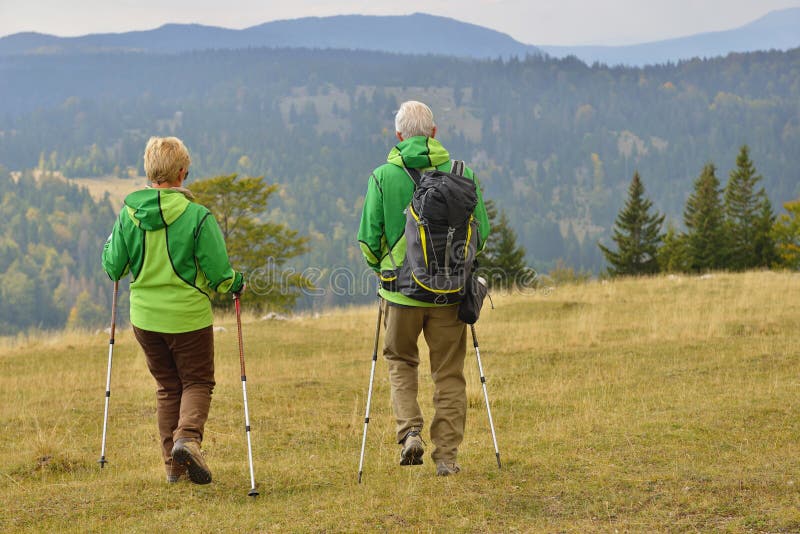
(554, 142)
(729, 228)
(53, 233)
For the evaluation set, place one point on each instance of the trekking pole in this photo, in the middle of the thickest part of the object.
(369, 393)
(485, 394)
(102, 461)
(252, 492)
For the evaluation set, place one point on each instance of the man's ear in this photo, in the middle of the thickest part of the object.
(399, 136)
(433, 133)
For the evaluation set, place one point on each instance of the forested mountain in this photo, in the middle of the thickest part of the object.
(778, 30)
(554, 142)
(413, 34)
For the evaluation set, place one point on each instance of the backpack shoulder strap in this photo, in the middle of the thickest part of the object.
(414, 174)
(457, 167)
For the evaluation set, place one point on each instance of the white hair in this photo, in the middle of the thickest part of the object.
(414, 118)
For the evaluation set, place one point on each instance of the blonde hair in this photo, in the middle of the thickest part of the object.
(164, 157)
(414, 118)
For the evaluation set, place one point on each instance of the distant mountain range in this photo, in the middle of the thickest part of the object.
(412, 34)
(778, 30)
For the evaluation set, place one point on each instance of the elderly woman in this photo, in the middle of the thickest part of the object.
(175, 253)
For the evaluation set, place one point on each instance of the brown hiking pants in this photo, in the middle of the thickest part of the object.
(183, 366)
(446, 337)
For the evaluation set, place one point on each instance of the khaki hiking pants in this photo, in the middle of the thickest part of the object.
(183, 366)
(446, 337)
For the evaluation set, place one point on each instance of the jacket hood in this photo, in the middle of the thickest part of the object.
(418, 153)
(153, 209)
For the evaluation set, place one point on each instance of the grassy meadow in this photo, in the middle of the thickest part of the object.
(667, 404)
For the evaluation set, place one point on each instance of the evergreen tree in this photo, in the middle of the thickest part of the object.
(748, 217)
(703, 217)
(673, 256)
(637, 234)
(765, 246)
(259, 249)
(502, 262)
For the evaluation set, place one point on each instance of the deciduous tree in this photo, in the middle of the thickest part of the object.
(257, 247)
(786, 234)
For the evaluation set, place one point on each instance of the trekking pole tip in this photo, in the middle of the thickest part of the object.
(252, 493)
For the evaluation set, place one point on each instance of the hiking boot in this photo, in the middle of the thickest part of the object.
(186, 452)
(412, 451)
(175, 472)
(445, 468)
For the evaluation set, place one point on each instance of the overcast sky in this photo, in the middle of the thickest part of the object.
(542, 22)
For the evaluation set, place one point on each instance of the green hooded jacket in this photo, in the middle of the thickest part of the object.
(175, 253)
(389, 192)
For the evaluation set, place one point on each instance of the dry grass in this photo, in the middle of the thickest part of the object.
(632, 406)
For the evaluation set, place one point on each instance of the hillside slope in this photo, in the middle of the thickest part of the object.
(554, 142)
(632, 405)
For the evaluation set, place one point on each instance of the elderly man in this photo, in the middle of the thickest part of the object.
(383, 243)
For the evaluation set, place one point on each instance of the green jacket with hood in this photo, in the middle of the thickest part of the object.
(389, 192)
(175, 253)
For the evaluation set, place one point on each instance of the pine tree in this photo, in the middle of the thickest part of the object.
(765, 245)
(673, 255)
(704, 220)
(748, 217)
(637, 234)
(502, 262)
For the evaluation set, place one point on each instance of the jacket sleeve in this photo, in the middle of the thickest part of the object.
(370, 232)
(482, 217)
(116, 260)
(212, 258)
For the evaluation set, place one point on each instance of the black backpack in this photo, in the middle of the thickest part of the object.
(441, 237)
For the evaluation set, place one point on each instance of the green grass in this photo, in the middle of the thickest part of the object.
(664, 404)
